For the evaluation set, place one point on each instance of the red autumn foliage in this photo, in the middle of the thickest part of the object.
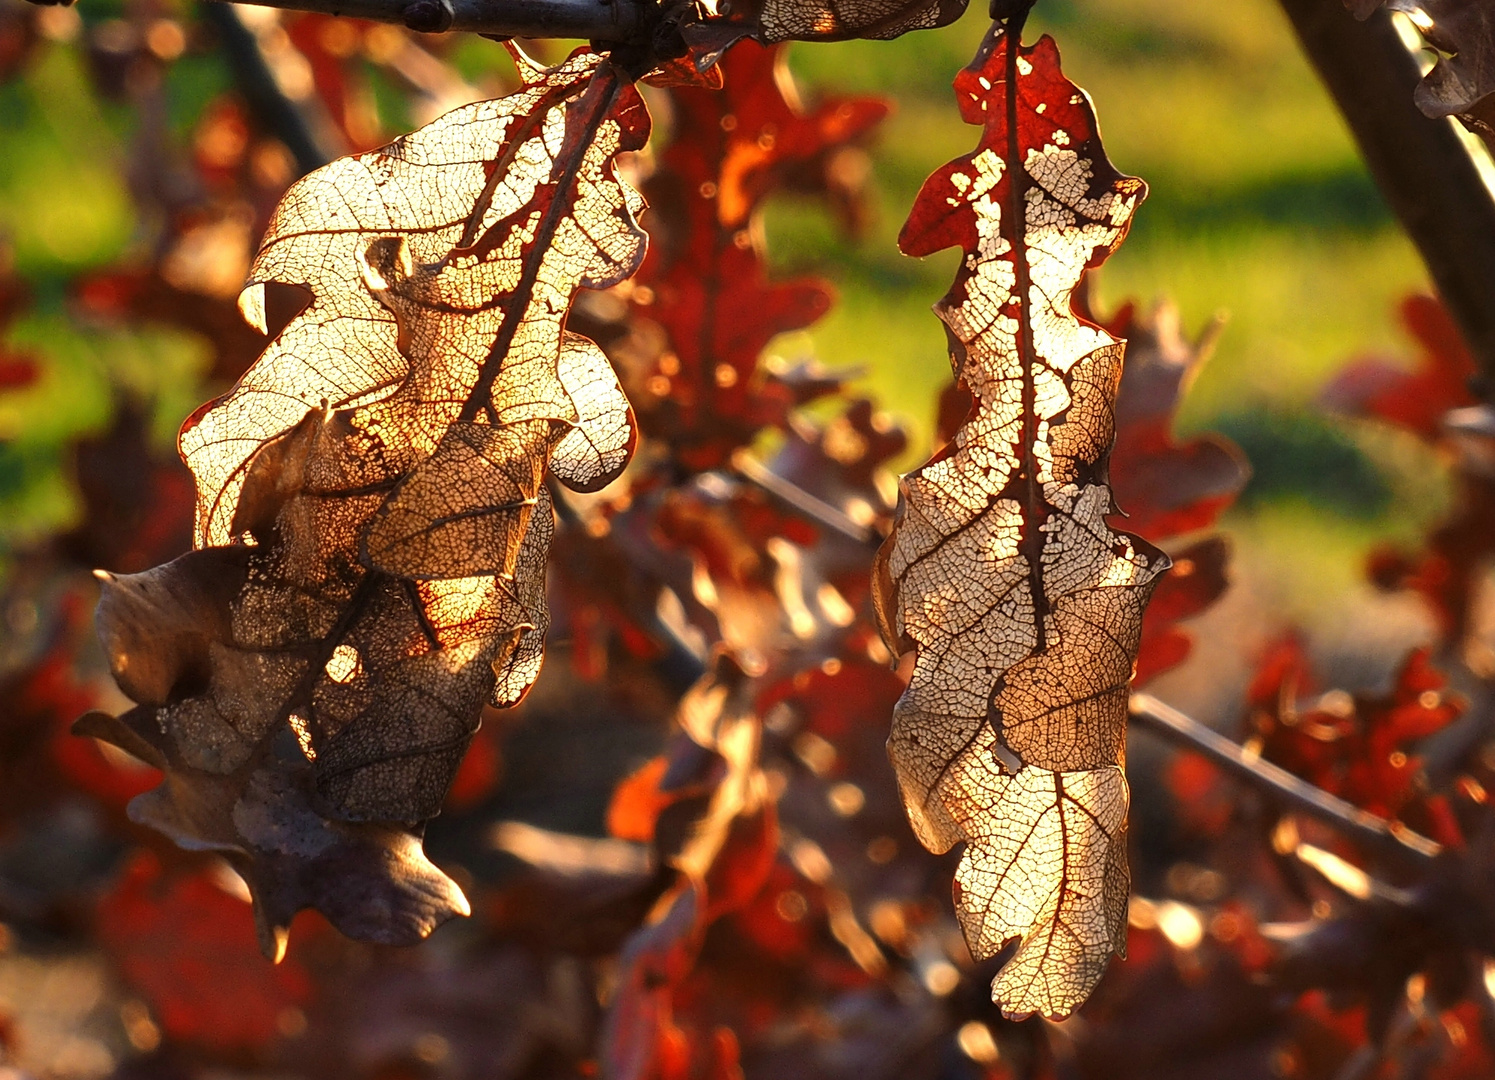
(1362, 748)
(1418, 399)
(180, 938)
(705, 282)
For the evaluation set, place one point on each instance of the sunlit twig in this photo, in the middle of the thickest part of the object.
(1279, 784)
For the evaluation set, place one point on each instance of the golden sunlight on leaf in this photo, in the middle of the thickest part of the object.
(372, 507)
(1024, 609)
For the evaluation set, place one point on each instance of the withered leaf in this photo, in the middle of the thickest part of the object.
(372, 510)
(1462, 80)
(1022, 606)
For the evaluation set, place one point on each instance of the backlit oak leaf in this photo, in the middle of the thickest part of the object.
(505, 208)
(1022, 606)
(372, 509)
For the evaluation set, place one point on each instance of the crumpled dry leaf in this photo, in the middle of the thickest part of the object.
(1023, 608)
(1463, 78)
(372, 509)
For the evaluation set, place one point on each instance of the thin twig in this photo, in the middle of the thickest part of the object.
(1420, 165)
(811, 506)
(604, 20)
(1279, 784)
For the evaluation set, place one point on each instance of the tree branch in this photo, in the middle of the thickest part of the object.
(1421, 166)
(753, 470)
(1389, 837)
(603, 20)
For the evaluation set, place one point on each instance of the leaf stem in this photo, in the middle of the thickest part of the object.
(1389, 837)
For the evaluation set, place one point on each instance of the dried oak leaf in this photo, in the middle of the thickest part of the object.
(1462, 80)
(372, 506)
(1023, 607)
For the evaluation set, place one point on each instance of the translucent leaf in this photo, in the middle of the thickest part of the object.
(1022, 606)
(372, 506)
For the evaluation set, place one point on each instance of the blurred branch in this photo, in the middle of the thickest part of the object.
(1421, 166)
(1279, 784)
(813, 507)
(605, 20)
(274, 111)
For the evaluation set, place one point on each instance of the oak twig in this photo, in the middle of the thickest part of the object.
(603, 20)
(1421, 166)
(1277, 783)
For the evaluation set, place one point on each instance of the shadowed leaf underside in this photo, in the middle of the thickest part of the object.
(373, 517)
(1023, 608)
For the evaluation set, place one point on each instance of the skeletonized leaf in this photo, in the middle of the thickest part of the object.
(1022, 606)
(441, 268)
(372, 502)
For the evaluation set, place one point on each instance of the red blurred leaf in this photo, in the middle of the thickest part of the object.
(189, 948)
(1196, 581)
(17, 371)
(1417, 399)
(637, 801)
(1361, 748)
(137, 500)
(18, 368)
(640, 1039)
(1166, 487)
(329, 43)
(704, 280)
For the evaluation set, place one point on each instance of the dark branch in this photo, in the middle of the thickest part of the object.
(603, 20)
(1422, 167)
(1279, 784)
